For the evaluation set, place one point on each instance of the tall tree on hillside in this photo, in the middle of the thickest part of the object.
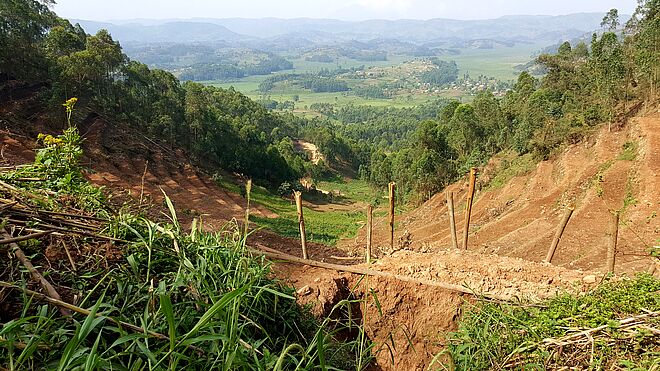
(23, 24)
(644, 28)
(93, 71)
(610, 21)
(607, 63)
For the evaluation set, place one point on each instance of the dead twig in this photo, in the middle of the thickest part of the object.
(24, 238)
(633, 321)
(35, 273)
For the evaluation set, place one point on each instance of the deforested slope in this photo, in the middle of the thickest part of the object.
(616, 169)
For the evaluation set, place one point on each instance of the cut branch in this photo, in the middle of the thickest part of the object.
(35, 273)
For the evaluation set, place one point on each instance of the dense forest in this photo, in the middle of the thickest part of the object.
(224, 71)
(222, 127)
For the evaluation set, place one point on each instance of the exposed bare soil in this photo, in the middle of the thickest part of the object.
(520, 219)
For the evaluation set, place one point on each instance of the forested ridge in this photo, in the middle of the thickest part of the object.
(221, 127)
(584, 85)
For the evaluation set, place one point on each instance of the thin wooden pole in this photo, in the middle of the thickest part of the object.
(611, 249)
(560, 231)
(369, 227)
(274, 254)
(301, 222)
(390, 188)
(452, 221)
(468, 206)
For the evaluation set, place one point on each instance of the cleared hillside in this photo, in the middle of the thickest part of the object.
(612, 170)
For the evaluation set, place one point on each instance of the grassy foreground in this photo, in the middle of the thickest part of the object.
(196, 300)
(614, 327)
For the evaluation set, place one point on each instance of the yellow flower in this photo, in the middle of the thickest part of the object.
(70, 103)
(49, 140)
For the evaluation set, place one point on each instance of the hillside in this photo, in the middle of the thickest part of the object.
(617, 170)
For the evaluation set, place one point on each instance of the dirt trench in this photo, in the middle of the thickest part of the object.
(409, 322)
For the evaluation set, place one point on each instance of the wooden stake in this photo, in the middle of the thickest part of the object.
(369, 227)
(248, 190)
(468, 206)
(611, 249)
(390, 188)
(560, 231)
(301, 222)
(452, 221)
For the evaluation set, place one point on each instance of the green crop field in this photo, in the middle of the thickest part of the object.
(498, 62)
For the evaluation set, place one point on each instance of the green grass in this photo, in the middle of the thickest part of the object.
(353, 189)
(628, 151)
(496, 336)
(322, 226)
(497, 62)
(517, 166)
(199, 300)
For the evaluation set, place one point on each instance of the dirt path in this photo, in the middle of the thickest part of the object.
(311, 149)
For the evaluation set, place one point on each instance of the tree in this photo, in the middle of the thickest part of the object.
(23, 26)
(607, 63)
(610, 21)
(64, 38)
(92, 71)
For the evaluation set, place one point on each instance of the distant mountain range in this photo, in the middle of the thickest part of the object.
(256, 32)
(175, 31)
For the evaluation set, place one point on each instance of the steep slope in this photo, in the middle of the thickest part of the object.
(127, 163)
(613, 170)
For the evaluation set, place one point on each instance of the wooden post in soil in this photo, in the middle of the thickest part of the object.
(301, 222)
(369, 226)
(390, 188)
(468, 206)
(452, 221)
(560, 231)
(611, 249)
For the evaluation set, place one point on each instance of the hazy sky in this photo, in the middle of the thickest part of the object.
(342, 9)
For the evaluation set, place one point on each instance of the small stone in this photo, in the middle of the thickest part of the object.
(589, 279)
(305, 290)
(317, 279)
